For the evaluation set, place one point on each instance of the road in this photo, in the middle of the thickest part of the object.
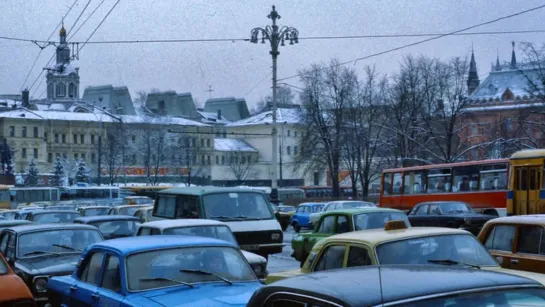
(283, 261)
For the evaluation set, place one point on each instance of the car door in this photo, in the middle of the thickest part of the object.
(304, 217)
(298, 212)
(358, 256)
(418, 215)
(84, 291)
(500, 243)
(110, 290)
(325, 228)
(530, 249)
(332, 257)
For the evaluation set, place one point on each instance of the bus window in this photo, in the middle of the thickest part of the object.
(439, 180)
(466, 178)
(397, 184)
(387, 184)
(417, 184)
(493, 177)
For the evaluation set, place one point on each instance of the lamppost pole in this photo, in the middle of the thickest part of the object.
(276, 37)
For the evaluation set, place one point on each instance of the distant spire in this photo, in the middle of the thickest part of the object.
(513, 57)
(472, 78)
(498, 67)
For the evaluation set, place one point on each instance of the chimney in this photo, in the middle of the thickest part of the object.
(26, 102)
(219, 114)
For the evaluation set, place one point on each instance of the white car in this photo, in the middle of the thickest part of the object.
(339, 205)
(202, 228)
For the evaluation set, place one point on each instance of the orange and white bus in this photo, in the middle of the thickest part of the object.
(482, 184)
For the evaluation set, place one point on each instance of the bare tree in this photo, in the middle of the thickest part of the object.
(284, 96)
(184, 160)
(327, 93)
(242, 165)
(113, 150)
(155, 147)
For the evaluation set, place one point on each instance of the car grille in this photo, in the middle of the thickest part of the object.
(253, 237)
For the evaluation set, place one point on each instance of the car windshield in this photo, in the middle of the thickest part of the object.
(171, 267)
(374, 220)
(356, 204)
(55, 217)
(8, 215)
(317, 208)
(511, 297)
(460, 248)
(455, 208)
(128, 210)
(56, 241)
(116, 229)
(218, 232)
(96, 211)
(247, 205)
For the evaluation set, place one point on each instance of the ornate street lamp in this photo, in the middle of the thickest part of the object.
(276, 37)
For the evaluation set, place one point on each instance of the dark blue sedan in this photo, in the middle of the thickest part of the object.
(112, 226)
(301, 217)
(157, 271)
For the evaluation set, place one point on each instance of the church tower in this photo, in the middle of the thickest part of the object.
(472, 78)
(62, 77)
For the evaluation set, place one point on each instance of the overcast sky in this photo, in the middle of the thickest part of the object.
(242, 69)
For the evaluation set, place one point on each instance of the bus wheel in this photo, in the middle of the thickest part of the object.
(296, 227)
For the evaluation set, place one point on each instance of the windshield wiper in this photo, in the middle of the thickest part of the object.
(39, 252)
(67, 247)
(207, 273)
(248, 217)
(452, 262)
(167, 279)
(224, 217)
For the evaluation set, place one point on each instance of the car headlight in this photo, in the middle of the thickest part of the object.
(276, 236)
(40, 284)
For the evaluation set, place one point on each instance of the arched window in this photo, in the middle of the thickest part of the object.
(50, 93)
(61, 89)
(72, 90)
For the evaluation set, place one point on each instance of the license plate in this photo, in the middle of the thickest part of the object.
(249, 247)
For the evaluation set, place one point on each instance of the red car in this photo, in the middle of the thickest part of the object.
(12, 288)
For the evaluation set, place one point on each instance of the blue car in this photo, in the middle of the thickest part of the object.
(157, 271)
(301, 217)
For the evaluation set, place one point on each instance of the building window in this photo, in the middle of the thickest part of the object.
(50, 93)
(217, 160)
(83, 156)
(133, 138)
(222, 160)
(75, 138)
(58, 155)
(133, 159)
(194, 159)
(207, 142)
(45, 136)
(473, 130)
(288, 150)
(75, 156)
(82, 139)
(23, 134)
(161, 106)
(56, 138)
(203, 160)
(61, 89)
(242, 159)
(64, 156)
(294, 150)
(11, 131)
(23, 153)
(202, 142)
(208, 160)
(49, 157)
(64, 138)
(93, 158)
(280, 150)
(35, 132)
(288, 132)
(295, 133)
(72, 90)
(35, 152)
(92, 138)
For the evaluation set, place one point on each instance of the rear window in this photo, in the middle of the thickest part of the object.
(55, 217)
(511, 297)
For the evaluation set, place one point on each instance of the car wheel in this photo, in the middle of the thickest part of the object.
(296, 227)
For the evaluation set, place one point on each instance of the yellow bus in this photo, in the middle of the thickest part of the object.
(149, 191)
(526, 193)
(5, 200)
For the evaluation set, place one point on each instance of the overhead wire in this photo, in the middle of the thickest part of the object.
(100, 24)
(428, 39)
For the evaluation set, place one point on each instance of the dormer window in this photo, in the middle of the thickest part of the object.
(61, 89)
(72, 90)
(507, 95)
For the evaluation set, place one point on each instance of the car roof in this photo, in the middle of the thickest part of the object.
(94, 207)
(146, 243)
(349, 201)
(441, 202)
(384, 284)
(136, 197)
(312, 204)
(37, 227)
(533, 219)
(361, 210)
(127, 206)
(42, 211)
(206, 190)
(8, 223)
(164, 224)
(102, 218)
(373, 237)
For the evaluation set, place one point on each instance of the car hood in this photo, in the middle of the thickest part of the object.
(13, 288)
(253, 258)
(535, 276)
(63, 264)
(215, 294)
(273, 277)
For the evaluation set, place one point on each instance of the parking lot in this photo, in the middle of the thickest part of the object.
(283, 261)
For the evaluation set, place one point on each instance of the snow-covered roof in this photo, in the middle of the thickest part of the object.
(66, 70)
(503, 107)
(9, 103)
(232, 145)
(289, 116)
(57, 107)
(211, 117)
(497, 82)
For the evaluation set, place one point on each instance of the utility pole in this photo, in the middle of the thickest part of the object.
(210, 90)
(276, 37)
(99, 146)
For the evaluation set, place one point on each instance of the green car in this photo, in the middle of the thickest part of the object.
(340, 221)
